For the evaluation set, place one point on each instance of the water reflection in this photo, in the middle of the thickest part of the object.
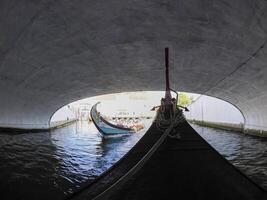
(248, 153)
(52, 165)
(26, 162)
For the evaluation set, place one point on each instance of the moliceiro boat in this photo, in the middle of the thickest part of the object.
(108, 128)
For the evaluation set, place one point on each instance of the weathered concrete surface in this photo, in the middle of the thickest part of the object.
(55, 52)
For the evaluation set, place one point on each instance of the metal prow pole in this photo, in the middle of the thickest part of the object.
(167, 104)
(168, 96)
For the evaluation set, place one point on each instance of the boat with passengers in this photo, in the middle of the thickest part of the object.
(108, 128)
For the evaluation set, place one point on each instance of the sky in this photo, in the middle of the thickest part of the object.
(140, 104)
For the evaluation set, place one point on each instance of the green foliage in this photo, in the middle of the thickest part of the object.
(184, 100)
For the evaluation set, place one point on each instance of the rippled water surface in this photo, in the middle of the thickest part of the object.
(51, 165)
(247, 153)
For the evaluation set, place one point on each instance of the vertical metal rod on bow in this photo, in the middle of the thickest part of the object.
(168, 96)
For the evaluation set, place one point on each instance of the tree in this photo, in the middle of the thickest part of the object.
(184, 100)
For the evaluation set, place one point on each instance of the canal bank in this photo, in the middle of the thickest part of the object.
(188, 168)
(61, 124)
(52, 126)
(229, 127)
(218, 125)
(217, 113)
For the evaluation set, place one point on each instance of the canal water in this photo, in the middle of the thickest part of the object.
(247, 153)
(51, 165)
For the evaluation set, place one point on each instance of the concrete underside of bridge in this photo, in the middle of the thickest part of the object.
(55, 52)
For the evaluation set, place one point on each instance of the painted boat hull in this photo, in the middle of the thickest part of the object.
(105, 127)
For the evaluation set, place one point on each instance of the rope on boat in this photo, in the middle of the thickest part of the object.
(168, 125)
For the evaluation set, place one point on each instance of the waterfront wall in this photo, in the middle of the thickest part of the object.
(62, 117)
(214, 110)
(216, 113)
(220, 125)
(59, 124)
